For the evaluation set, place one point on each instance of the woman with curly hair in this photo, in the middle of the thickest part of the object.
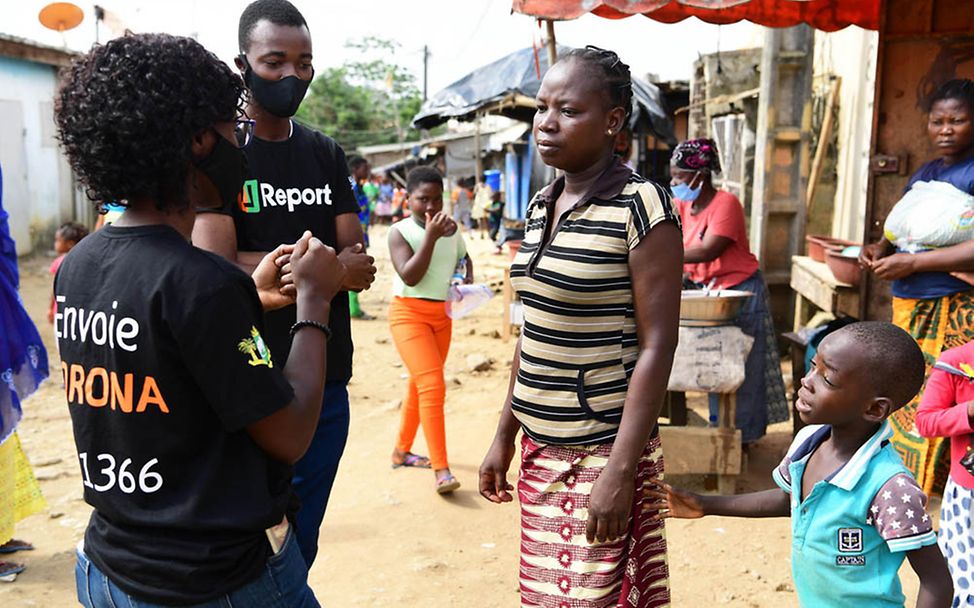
(186, 430)
(716, 252)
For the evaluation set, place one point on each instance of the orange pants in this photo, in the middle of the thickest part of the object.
(421, 331)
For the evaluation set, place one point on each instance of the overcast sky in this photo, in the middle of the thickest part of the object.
(461, 34)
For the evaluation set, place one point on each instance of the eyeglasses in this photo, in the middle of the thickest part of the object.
(243, 131)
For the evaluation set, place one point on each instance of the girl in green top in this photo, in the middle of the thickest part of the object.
(425, 251)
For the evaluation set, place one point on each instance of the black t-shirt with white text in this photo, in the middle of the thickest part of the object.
(301, 183)
(164, 366)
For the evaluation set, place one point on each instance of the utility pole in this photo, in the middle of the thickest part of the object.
(426, 61)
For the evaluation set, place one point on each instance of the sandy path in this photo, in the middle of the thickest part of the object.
(388, 539)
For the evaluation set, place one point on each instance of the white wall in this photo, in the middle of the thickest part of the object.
(851, 54)
(37, 186)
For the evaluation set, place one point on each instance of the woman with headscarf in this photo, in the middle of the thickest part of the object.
(716, 252)
(23, 365)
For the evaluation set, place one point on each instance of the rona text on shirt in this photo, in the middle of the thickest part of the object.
(99, 387)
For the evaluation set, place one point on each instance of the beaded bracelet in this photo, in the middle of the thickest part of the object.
(306, 323)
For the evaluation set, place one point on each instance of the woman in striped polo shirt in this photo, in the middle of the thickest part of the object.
(599, 274)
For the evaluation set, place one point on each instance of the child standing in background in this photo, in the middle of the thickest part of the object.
(358, 175)
(66, 237)
(947, 410)
(425, 252)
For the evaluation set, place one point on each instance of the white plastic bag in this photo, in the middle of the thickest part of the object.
(930, 215)
(463, 299)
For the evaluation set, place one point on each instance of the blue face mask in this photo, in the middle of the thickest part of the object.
(684, 192)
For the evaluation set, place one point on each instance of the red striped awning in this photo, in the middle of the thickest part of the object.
(827, 15)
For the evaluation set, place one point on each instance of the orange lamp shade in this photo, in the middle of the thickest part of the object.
(61, 16)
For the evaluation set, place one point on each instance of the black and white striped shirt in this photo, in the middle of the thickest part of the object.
(579, 344)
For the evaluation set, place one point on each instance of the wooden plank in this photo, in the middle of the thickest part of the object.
(819, 270)
(823, 143)
(812, 288)
(793, 134)
(815, 283)
(697, 450)
(784, 205)
(847, 302)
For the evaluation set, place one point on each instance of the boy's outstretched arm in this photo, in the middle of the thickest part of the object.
(674, 502)
(936, 588)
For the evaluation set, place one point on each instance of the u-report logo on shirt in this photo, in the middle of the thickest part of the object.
(254, 195)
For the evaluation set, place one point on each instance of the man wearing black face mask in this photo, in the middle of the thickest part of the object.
(297, 180)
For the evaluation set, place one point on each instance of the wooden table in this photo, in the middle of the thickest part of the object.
(703, 450)
(813, 283)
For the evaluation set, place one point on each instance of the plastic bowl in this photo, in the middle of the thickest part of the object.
(720, 307)
(844, 268)
(818, 244)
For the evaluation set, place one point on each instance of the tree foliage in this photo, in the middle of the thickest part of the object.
(369, 100)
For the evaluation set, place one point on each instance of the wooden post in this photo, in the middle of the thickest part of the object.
(552, 49)
(727, 428)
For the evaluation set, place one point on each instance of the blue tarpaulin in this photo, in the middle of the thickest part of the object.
(516, 76)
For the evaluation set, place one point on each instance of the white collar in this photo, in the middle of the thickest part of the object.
(851, 472)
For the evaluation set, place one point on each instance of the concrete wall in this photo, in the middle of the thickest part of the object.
(38, 189)
(851, 55)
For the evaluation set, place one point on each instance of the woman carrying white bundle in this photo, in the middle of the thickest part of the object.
(928, 254)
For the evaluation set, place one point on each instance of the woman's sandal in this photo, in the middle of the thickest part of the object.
(9, 571)
(413, 460)
(13, 545)
(447, 484)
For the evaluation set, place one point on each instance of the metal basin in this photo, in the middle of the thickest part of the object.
(718, 307)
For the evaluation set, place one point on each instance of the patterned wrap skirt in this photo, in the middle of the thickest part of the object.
(936, 324)
(559, 568)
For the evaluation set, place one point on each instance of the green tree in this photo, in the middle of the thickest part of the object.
(370, 100)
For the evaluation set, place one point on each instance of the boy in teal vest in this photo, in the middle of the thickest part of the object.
(855, 509)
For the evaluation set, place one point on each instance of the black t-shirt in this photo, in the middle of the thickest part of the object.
(298, 184)
(164, 367)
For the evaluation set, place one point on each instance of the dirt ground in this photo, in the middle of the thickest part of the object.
(388, 539)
